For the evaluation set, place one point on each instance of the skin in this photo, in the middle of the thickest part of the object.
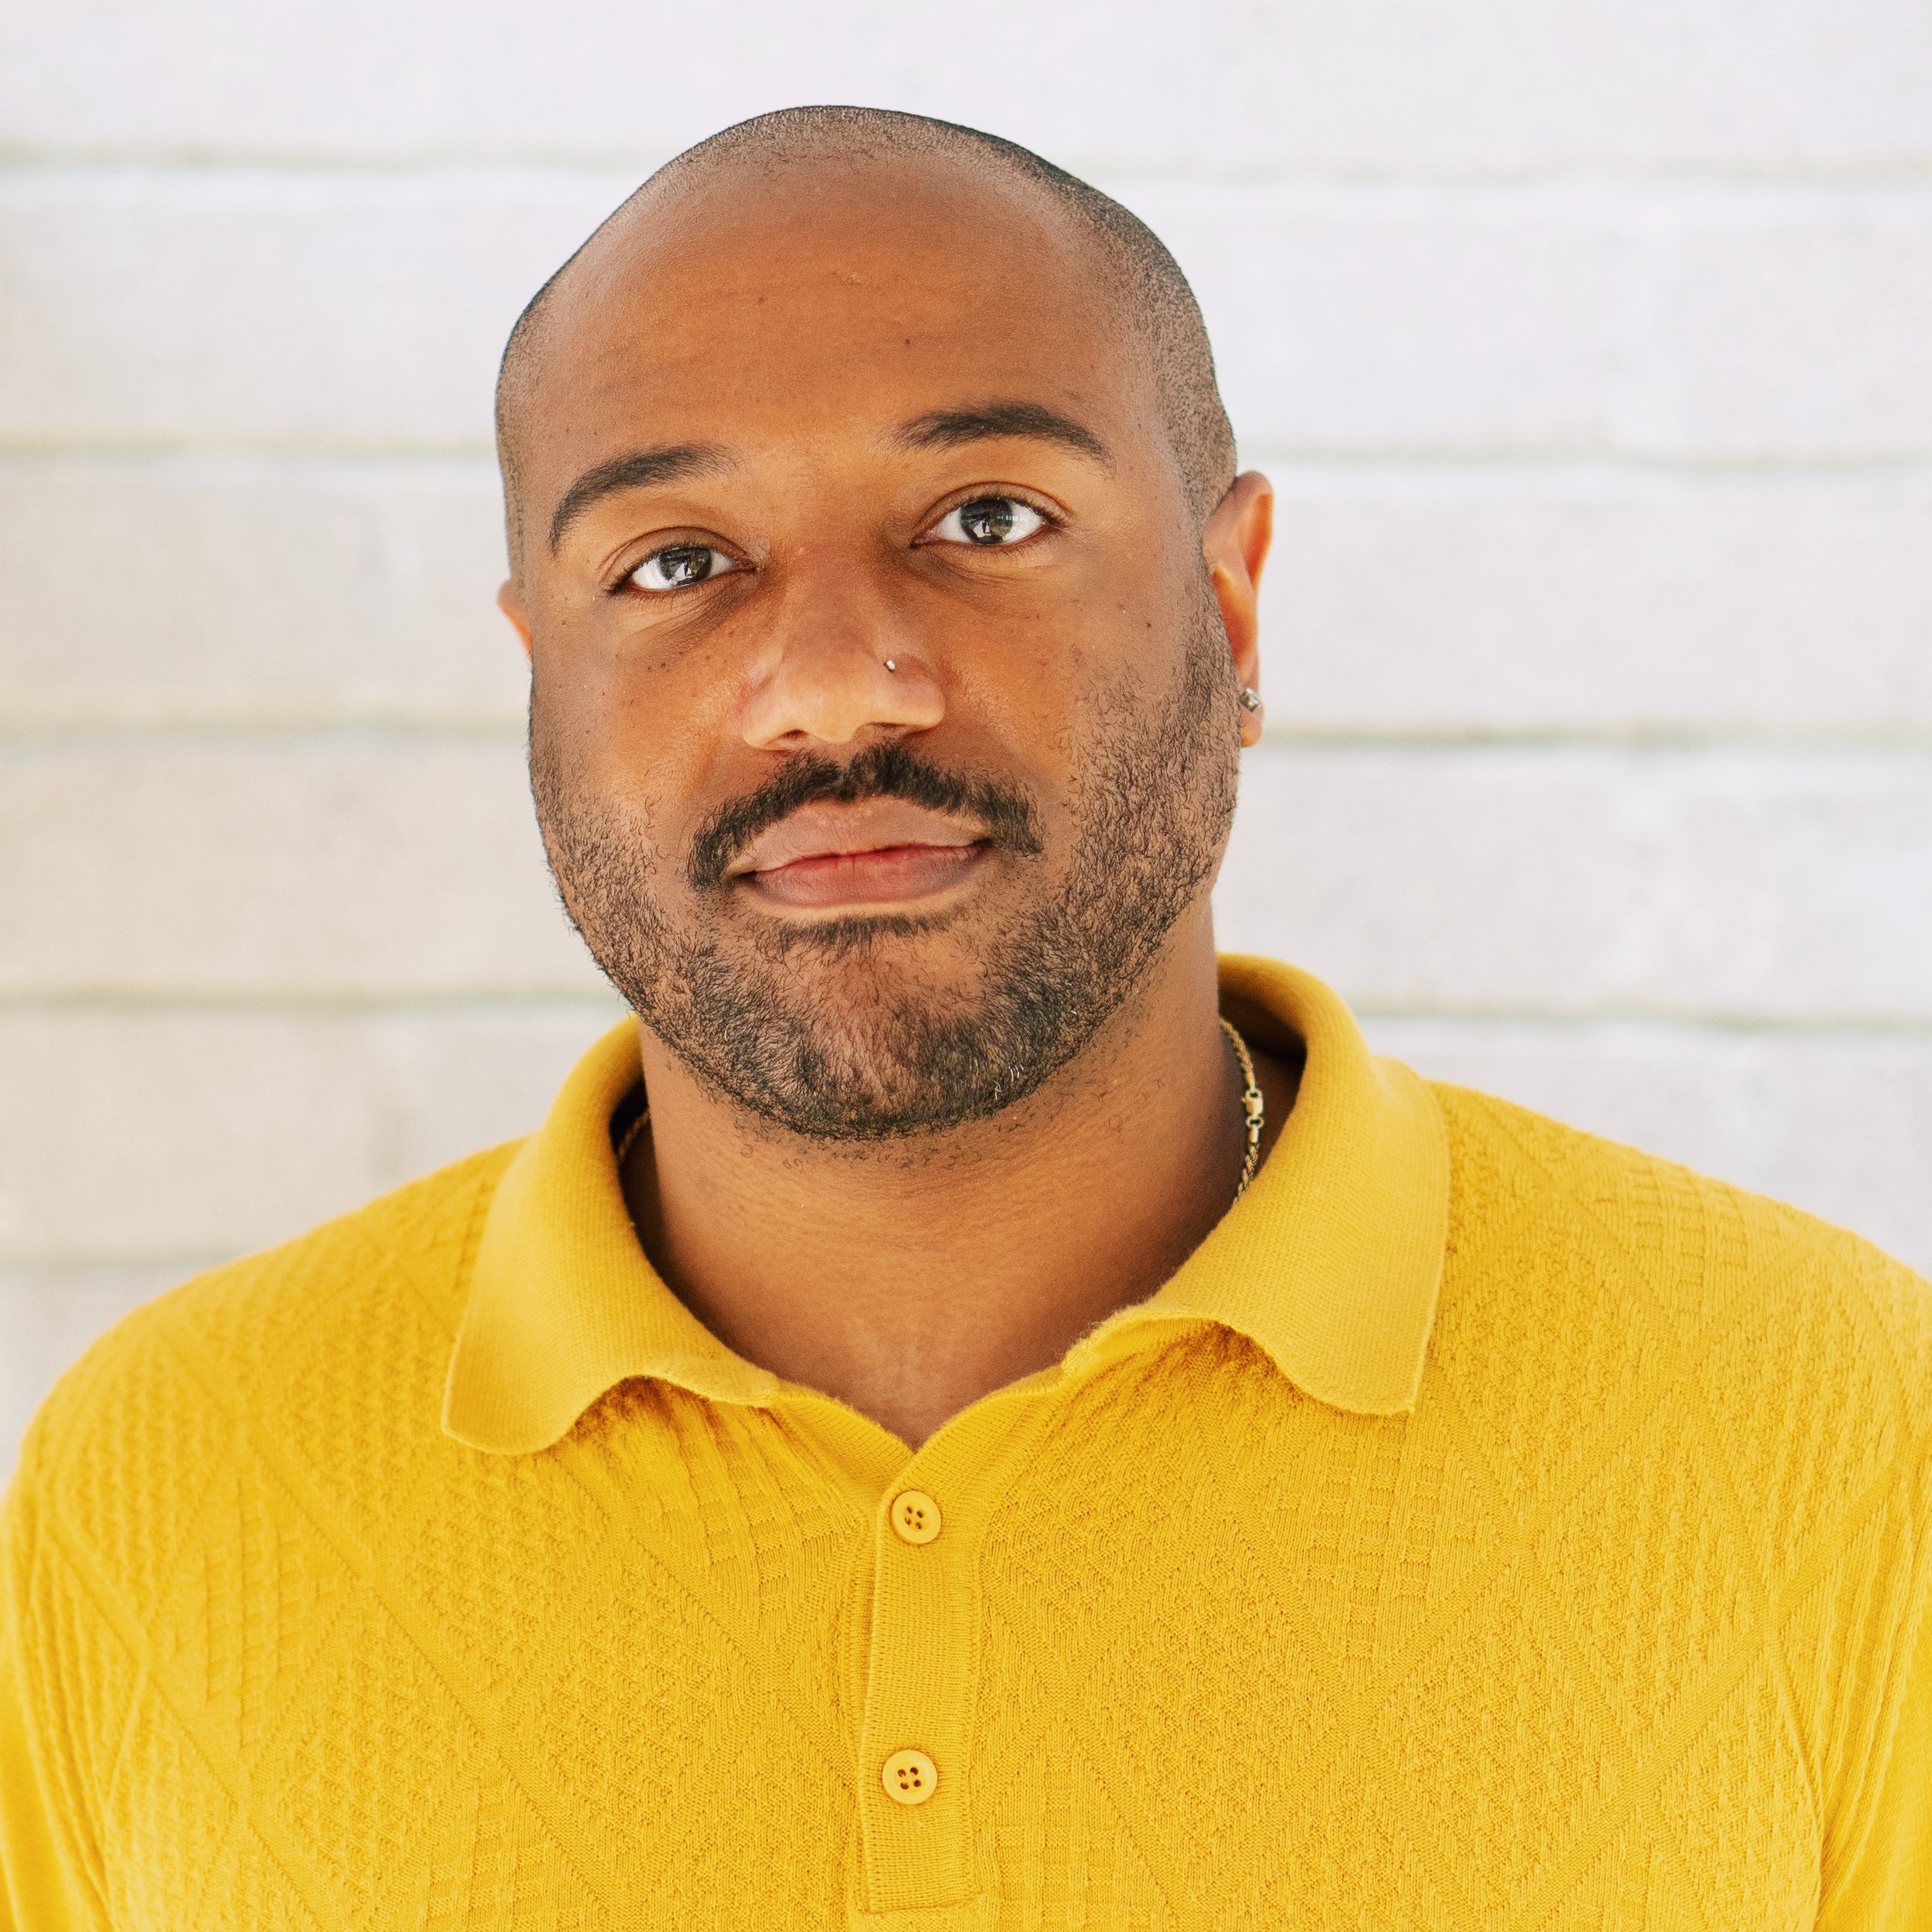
(794, 325)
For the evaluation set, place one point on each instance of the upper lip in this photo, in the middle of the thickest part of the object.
(827, 830)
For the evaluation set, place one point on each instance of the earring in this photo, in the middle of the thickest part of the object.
(890, 666)
(1250, 700)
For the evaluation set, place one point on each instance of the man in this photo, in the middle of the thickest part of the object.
(969, 1413)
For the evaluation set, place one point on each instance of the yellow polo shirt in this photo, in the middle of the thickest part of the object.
(1487, 1527)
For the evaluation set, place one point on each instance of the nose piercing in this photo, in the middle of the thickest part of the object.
(890, 666)
(1250, 700)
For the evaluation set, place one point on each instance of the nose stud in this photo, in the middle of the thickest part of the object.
(890, 666)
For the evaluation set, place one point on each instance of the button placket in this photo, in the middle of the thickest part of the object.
(919, 1698)
(914, 1786)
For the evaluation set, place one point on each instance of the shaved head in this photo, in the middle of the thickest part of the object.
(1133, 273)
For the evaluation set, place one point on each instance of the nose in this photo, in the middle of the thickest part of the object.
(840, 668)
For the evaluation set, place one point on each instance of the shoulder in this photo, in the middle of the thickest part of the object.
(1794, 1359)
(331, 1348)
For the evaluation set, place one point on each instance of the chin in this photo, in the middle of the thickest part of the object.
(864, 1048)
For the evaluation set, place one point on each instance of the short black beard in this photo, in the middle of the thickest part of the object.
(880, 1056)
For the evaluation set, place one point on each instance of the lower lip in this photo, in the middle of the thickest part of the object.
(892, 876)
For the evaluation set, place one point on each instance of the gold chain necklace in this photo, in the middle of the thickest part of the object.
(630, 1140)
(1253, 1110)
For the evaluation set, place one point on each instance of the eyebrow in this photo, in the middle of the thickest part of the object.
(948, 428)
(631, 472)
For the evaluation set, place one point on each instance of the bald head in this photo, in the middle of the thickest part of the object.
(1132, 277)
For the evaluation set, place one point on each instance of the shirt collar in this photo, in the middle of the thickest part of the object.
(1330, 1262)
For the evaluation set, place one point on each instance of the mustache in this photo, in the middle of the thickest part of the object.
(886, 770)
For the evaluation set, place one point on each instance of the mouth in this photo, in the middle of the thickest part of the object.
(835, 857)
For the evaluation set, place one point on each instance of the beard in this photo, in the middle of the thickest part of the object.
(848, 1030)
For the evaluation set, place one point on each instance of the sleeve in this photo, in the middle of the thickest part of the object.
(45, 1885)
(1880, 1878)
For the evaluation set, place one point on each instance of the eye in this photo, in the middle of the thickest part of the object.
(988, 521)
(678, 566)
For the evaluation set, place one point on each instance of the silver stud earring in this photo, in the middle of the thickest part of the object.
(1250, 700)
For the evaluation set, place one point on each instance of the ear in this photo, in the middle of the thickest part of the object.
(511, 603)
(1235, 544)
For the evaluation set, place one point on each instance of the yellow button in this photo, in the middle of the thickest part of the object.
(915, 1516)
(910, 1777)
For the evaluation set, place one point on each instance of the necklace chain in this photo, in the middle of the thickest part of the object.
(1253, 1113)
(1254, 1109)
(630, 1134)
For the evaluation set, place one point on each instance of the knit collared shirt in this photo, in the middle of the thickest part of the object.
(1487, 1526)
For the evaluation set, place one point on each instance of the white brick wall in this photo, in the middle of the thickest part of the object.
(1589, 344)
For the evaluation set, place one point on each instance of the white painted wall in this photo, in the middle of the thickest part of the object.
(1588, 341)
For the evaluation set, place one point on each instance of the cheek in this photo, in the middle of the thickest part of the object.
(1034, 676)
(594, 792)
(633, 720)
(1115, 665)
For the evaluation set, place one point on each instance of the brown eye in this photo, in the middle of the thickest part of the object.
(678, 566)
(987, 522)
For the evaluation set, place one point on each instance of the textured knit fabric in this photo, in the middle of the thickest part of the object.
(1489, 1527)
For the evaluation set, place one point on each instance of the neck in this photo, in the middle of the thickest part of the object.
(910, 1278)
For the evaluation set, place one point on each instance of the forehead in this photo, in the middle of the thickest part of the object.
(828, 301)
